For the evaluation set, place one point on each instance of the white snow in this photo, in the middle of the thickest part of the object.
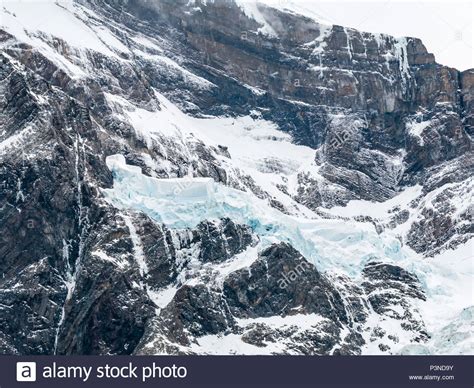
(242, 260)
(164, 296)
(77, 27)
(338, 246)
(222, 344)
(167, 63)
(250, 8)
(15, 140)
(416, 129)
(348, 44)
(377, 210)
(32, 24)
(328, 243)
(122, 264)
(298, 8)
(415, 201)
(257, 147)
(448, 310)
(454, 338)
(319, 46)
(303, 321)
(147, 42)
(400, 48)
(447, 274)
(110, 40)
(137, 245)
(390, 327)
(37, 16)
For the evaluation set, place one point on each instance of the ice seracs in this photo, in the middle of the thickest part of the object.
(332, 245)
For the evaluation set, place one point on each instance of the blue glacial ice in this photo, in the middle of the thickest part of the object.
(180, 203)
(333, 245)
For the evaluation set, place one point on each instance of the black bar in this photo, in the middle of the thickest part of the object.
(251, 371)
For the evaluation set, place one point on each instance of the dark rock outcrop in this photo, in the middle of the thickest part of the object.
(280, 282)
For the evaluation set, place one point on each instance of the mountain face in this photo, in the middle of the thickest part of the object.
(223, 177)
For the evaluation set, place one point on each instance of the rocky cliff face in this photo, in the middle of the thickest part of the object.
(284, 186)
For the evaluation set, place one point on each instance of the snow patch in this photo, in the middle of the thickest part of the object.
(303, 321)
(164, 296)
(21, 20)
(416, 129)
(256, 146)
(122, 264)
(377, 210)
(137, 246)
(250, 9)
(400, 48)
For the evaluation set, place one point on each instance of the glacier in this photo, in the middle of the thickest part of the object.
(335, 246)
(181, 203)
